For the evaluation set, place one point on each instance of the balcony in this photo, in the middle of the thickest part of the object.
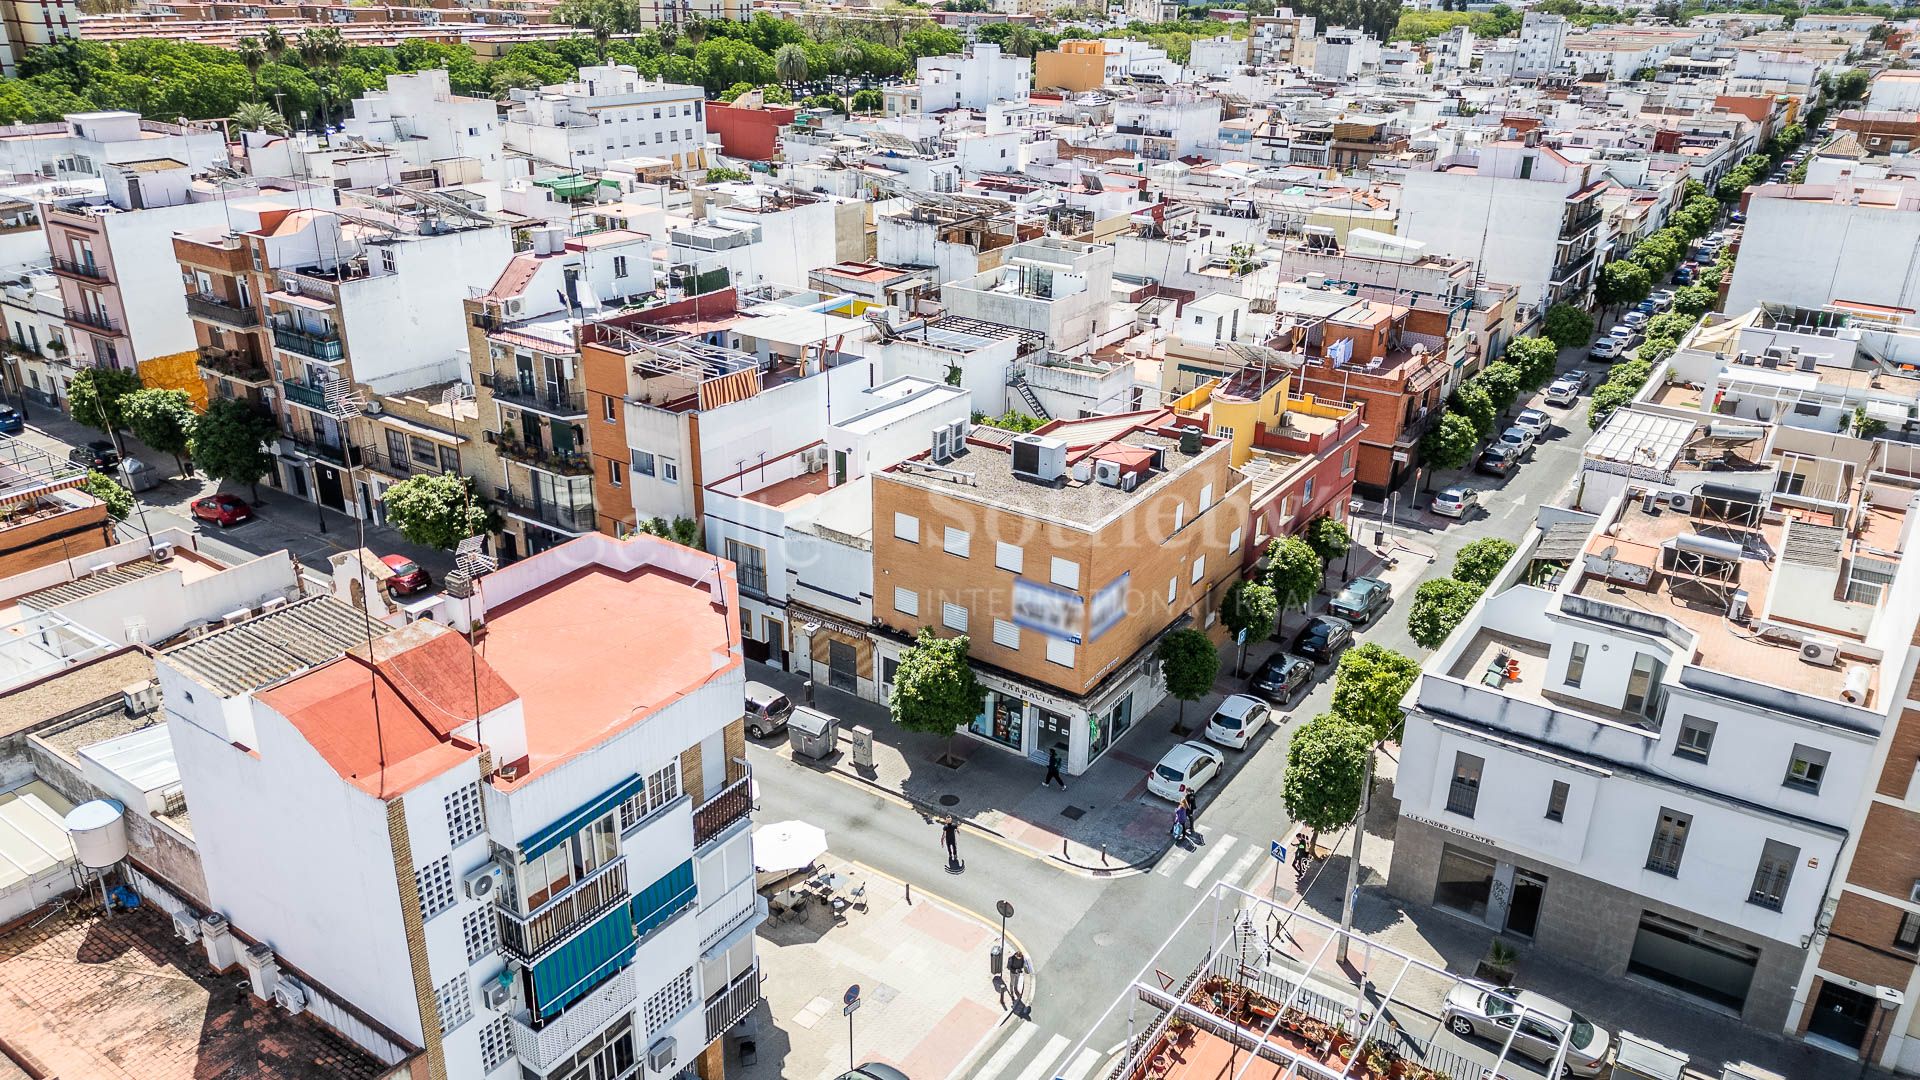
(86, 270)
(98, 320)
(527, 394)
(337, 453)
(725, 1008)
(576, 520)
(728, 805)
(1586, 220)
(723, 916)
(540, 1048)
(560, 462)
(300, 393)
(530, 936)
(214, 309)
(315, 346)
(235, 364)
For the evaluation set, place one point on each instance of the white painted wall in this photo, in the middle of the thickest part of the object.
(1810, 254)
(1510, 227)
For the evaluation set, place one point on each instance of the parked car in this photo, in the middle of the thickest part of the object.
(1562, 393)
(222, 510)
(11, 422)
(1237, 720)
(408, 576)
(1184, 769)
(1579, 375)
(1646, 307)
(1608, 349)
(1737, 217)
(1322, 638)
(1518, 439)
(1683, 275)
(1497, 460)
(1634, 320)
(1361, 600)
(137, 475)
(98, 454)
(1535, 422)
(1473, 1009)
(767, 709)
(873, 1070)
(1454, 502)
(1662, 300)
(1281, 677)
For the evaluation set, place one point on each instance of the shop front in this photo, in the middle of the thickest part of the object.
(831, 650)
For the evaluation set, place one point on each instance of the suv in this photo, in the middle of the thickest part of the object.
(1563, 392)
(767, 710)
(98, 454)
(1608, 349)
(1237, 720)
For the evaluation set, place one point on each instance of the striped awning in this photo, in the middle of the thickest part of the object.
(550, 837)
(27, 491)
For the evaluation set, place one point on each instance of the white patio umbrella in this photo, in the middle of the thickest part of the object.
(787, 845)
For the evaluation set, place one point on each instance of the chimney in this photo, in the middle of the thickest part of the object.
(217, 936)
(262, 969)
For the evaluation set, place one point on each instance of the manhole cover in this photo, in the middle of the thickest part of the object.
(1073, 813)
(949, 800)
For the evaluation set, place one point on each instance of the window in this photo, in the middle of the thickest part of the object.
(1669, 842)
(1346, 462)
(1066, 573)
(668, 1002)
(434, 884)
(1199, 570)
(607, 411)
(1173, 588)
(953, 617)
(1179, 516)
(1206, 496)
(906, 527)
(662, 787)
(1695, 740)
(956, 541)
(1306, 491)
(386, 260)
(616, 475)
(1771, 877)
(599, 843)
(449, 460)
(1223, 431)
(1806, 768)
(669, 470)
(1005, 634)
(454, 1002)
(1643, 685)
(480, 929)
(1907, 937)
(1557, 801)
(463, 814)
(425, 453)
(1060, 652)
(751, 565)
(619, 266)
(1009, 557)
(641, 461)
(547, 875)
(1233, 542)
(906, 601)
(1463, 794)
(397, 448)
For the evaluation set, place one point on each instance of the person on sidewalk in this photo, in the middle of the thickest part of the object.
(1182, 823)
(1183, 814)
(950, 836)
(1053, 771)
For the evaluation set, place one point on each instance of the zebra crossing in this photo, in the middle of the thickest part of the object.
(1248, 863)
(1052, 1056)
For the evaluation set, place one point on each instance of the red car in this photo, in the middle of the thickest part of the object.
(223, 510)
(408, 577)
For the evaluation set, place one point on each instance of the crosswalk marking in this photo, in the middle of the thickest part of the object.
(1082, 1065)
(1038, 1066)
(1173, 858)
(1220, 849)
(1239, 869)
(1009, 1050)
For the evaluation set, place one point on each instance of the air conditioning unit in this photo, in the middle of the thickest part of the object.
(373, 407)
(290, 995)
(140, 698)
(235, 617)
(185, 926)
(272, 603)
(813, 458)
(1039, 457)
(160, 552)
(1129, 481)
(661, 1055)
(1737, 606)
(1107, 472)
(498, 995)
(1680, 501)
(481, 884)
(1822, 651)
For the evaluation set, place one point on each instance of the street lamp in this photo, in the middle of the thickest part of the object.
(1354, 506)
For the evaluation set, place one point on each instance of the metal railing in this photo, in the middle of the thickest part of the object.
(317, 346)
(1770, 887)
(728, 805)
(533, 395)
(233, 363)
(1462, 797)
(1663, 857)
(574, 519)
(96, 319)
(526, 937)
(564, 463)
(540, 1047)
(218, 309)
(725, 1008)
(313, 397)
(89, 270)
(339, 454)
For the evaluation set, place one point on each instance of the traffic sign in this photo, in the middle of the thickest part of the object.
(852, 995)
(1278, 851)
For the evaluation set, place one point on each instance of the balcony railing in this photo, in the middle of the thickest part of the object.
(728, 805)
(1463, 798)
(317, 346)
(562, 462)
(527, 937)
(88, 269)
(99, 320)
(539, 1048)
(303, 394)
(1664, 856)
(338, 454)
(725, 1008)
(532, 395)
(215, 309)
(234, 364)
(1770, 887)
(1581, 224)
(573, 519)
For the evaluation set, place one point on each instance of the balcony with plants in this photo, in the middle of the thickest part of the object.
(217, 309)
(238, 364)
(311, 342)
(549, 399)
(562, 462)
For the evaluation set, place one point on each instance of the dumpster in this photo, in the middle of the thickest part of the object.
(811, 733)
(1639, 1059)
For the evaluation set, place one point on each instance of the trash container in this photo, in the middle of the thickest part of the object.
(811, 733)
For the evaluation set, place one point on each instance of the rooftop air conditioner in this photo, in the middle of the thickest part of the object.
(290, 995)
(185, 926)
(1822, 651)
(1039, 457)
(1129, 481)
(1680, 501)
(374, 408)
(233, 618)
(160, 552)
(661, 1055)
(498, 995)
(484, 882)
(1107, 472)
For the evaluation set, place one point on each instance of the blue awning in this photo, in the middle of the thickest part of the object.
(549, 838)
(561, 977)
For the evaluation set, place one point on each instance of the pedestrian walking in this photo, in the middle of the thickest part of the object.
(1300, 854)
(950, 836)
(1182, 823)
(1053, 771)
(1016, 982)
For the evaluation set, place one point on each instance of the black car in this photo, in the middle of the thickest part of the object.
(1323, 638)
(1280, 678)
(98, 454)
(1361, 600)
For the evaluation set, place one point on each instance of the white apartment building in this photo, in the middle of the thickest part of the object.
(1162, 125)
(419, 116)
(535, 863)
(1343, 53)
(1813, 244)
(1542, 43)
(78, 144)
(974, 80)
(1057, 288)
(1522, 212)
(608, 114)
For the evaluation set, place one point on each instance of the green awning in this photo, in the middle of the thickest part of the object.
(570, 187)
(562, 976)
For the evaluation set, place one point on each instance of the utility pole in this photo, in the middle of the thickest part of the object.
(1353, 869)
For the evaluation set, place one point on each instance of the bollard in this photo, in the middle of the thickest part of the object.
(994, 960)
(909, 894)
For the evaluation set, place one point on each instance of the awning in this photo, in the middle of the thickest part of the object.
(550, 837)
(422, 430)
(1888, 411)
(311, 303)
(570, 187)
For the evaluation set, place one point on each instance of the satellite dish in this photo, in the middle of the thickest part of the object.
(1610, 552)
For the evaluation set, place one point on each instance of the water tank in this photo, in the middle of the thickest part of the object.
(98, 830)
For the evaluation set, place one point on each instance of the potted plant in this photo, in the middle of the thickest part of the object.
(1498, 966)
(1180, 1029)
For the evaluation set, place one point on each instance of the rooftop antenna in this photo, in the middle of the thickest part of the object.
(471, 562)
(345, 404)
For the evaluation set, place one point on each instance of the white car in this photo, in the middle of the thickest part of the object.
(1476, 1010)
(1634, 320)
(1185, 769)
(1662, 299)
(1237, 721)
(1609, 348)
(1454, 502)
(1535, 421)
(1562, 393)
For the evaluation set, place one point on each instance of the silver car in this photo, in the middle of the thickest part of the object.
(1474, 1009)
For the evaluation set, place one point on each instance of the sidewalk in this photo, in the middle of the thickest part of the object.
(1104, 822)
(927, 1027)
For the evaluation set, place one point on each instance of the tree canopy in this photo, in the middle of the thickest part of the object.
(1188, 664)
(437, 510)
(1449, 444)
(1294, 571)
(108, 490)
(229, 443)
(934, 690)
(1480, 561)
(1567, 326)
(163, 419)
(97, 397)
(1438, 606)
(1368, 684)
(1328, 538)
(1326, 772)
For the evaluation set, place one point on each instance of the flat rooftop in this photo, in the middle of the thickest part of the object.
(266, 649)
(125, 999)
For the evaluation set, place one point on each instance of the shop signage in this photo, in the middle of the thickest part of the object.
(1055, 612)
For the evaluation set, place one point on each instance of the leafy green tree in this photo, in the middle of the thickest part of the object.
(1438, 606)
(1294, 572)
(868, 101)
(1368, 684)
(253, 116)
(934, 690)
(1852, 85)
(1670, 325)
(1536, 358)
(931, 40)
(1694, 300)
(108, 490)
(97, 397)
(1328, 538)
(1502, 381)
(1188, 664)
(1567, 326)
(229, 443)
(1473, 402)
(1327, 762)
(163, 419)
(438, 510)
(791, 64)
(1448, 444)
(723, 174)
(682, 531)
(1622, 282)
(1480, 561)
(1607, 397)
(1249, 611)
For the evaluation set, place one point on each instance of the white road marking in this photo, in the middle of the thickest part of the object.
(1082, 1065)
(1239, 869)
(1172, 859)
(1220, 848)
(1038, 1066)
(1009, 1050)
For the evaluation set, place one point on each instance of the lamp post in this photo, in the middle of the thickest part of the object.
(1354, 506)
